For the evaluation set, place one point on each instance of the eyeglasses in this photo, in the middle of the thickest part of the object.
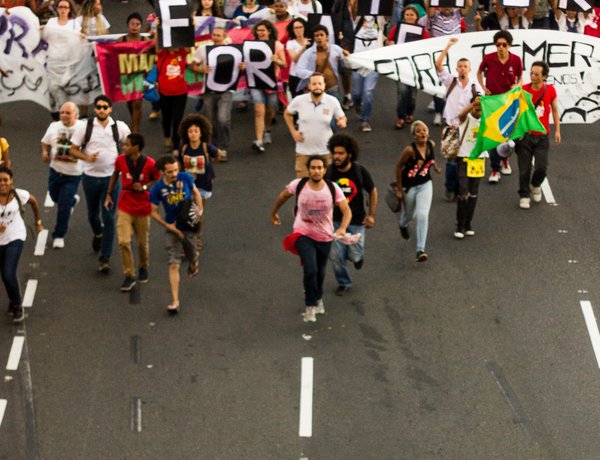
(501, 45)
(102, 107)
(63, 7)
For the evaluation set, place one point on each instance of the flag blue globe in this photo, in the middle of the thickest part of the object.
(509, 118)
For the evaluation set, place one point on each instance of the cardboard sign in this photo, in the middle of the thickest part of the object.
(176, 28)
(260, 68)
(376, 7)
(224, 61)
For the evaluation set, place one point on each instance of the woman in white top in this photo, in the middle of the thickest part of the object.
(66, 16)
(297, 28)
(569, 20)
(305, 7)
(92, 21)
(12, 237)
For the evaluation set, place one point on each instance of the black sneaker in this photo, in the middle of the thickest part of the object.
(128, 284)
(404, 232)
(104, 265)
(11, 309)
(421, 256)
(18, 314)
(342, 290)
(97, 243)
(143, 275)
(358, 265)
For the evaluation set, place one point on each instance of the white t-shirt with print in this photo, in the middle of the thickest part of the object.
(58, 137)
(11, 220)
(471, 124)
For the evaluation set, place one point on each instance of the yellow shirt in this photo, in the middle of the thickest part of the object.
(3, 147)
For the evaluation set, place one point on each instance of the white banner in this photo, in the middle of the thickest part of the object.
(22, 58)
(574, 61)
(70, 67)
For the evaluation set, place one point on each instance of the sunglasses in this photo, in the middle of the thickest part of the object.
(501, 45)
(102, 107)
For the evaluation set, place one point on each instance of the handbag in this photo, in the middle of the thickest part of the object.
(391, 199)
(475, 167)
(188, 217)
(451, 141)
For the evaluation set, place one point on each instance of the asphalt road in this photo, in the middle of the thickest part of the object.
(482, 352)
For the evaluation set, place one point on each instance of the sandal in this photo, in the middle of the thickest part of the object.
(399, 123)
(193, 269)
(173, 309)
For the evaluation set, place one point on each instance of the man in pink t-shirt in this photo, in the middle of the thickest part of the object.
(536, 144)
(313, 228)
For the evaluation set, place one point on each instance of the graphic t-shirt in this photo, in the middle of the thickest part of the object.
(315, 210)
(353, 188)
(172, 195)
(471, 124)
(58, 137)
(171, 72)
(11, 221)
(132, 202)
(545, 106)
(197, 163)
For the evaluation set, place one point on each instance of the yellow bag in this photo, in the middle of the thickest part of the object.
(476, 167)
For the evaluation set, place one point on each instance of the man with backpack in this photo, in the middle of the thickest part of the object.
(97, 144)
(138, 174)
(460, 90)
(356, 182)
(316, 198)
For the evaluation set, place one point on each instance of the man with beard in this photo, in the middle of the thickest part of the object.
(315, 111)
(316, 198)
(65, 169)
(97, 144)
(355, 181)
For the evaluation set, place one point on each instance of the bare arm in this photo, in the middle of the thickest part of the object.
(108, 202)
(556, 119)
(46, 153)
(170, 227)
(468, 5)
(481, 83)
(369, 220)
(440, 59)
(35, 207)
(346, 218)
(406, 154)
(289, 121)
(281, 199)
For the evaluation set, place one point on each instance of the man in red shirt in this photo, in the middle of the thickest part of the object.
(503, 71)
(535, 144)
(138, 174)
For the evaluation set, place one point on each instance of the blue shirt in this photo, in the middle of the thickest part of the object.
(172, 196)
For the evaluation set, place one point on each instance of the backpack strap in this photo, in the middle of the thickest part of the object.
(136, 170)
(451, 87)
(19, 202)
(301, 185)
(115, 132)
(541, 97)
(88, 133)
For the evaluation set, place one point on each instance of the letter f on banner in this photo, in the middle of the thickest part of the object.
(176, 29)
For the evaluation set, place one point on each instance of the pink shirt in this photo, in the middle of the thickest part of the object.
(315, 210)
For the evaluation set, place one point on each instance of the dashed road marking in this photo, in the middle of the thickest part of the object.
(48, 203)
(592, 327)
(15, 353)
(40, 244)
(30, 293)
(547, 191)
(3, 403)
(306, 397)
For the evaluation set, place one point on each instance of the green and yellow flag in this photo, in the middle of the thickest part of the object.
(503, 117)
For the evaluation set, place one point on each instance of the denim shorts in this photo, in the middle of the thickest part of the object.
(260, 96)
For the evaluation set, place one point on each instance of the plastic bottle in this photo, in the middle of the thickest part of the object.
(506, 149)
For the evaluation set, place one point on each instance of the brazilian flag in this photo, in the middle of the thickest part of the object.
(503, 117)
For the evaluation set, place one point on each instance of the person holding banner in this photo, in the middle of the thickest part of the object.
(535, 145)
(514, 18)
(569, 20)
(66, 16)
(134, 29)
(265, 100)
(503, 71)
(217, 104)
(414, 186)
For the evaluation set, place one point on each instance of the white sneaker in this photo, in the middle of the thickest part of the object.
(459, 235)
(267, 137)
(524, 203)
(437, 119)
(494, 177)
(536, 194)
(469, 232)
(58, 243)
(223, 158)
(309, 315)
(77, 200)
(431, 106)
(320, 308)
(506, 169)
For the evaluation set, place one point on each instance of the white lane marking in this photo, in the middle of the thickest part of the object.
(48, 203)
(3, 403)
(548, 192)
(15, 353)
(40, 244)
(30, 293)
(306, 397)
(592, 327)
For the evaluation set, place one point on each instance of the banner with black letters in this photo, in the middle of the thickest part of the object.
(408, 33)
(176, 28)
(260, 68)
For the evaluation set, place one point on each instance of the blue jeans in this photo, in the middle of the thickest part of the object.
(313, 255)
(407, 99)
(341, 252)
(62, 189)
(363, 91)
(9, 261)
(101, 220)
(417, 203)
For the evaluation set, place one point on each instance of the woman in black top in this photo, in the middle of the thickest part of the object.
(413, 185)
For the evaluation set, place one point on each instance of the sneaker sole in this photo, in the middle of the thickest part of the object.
(127, 289)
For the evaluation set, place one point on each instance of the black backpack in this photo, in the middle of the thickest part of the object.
(301, 185)
(90, 127)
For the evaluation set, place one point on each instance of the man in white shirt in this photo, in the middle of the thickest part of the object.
(315, 110)
(96, 143)
(65, 169)
(460, 90)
